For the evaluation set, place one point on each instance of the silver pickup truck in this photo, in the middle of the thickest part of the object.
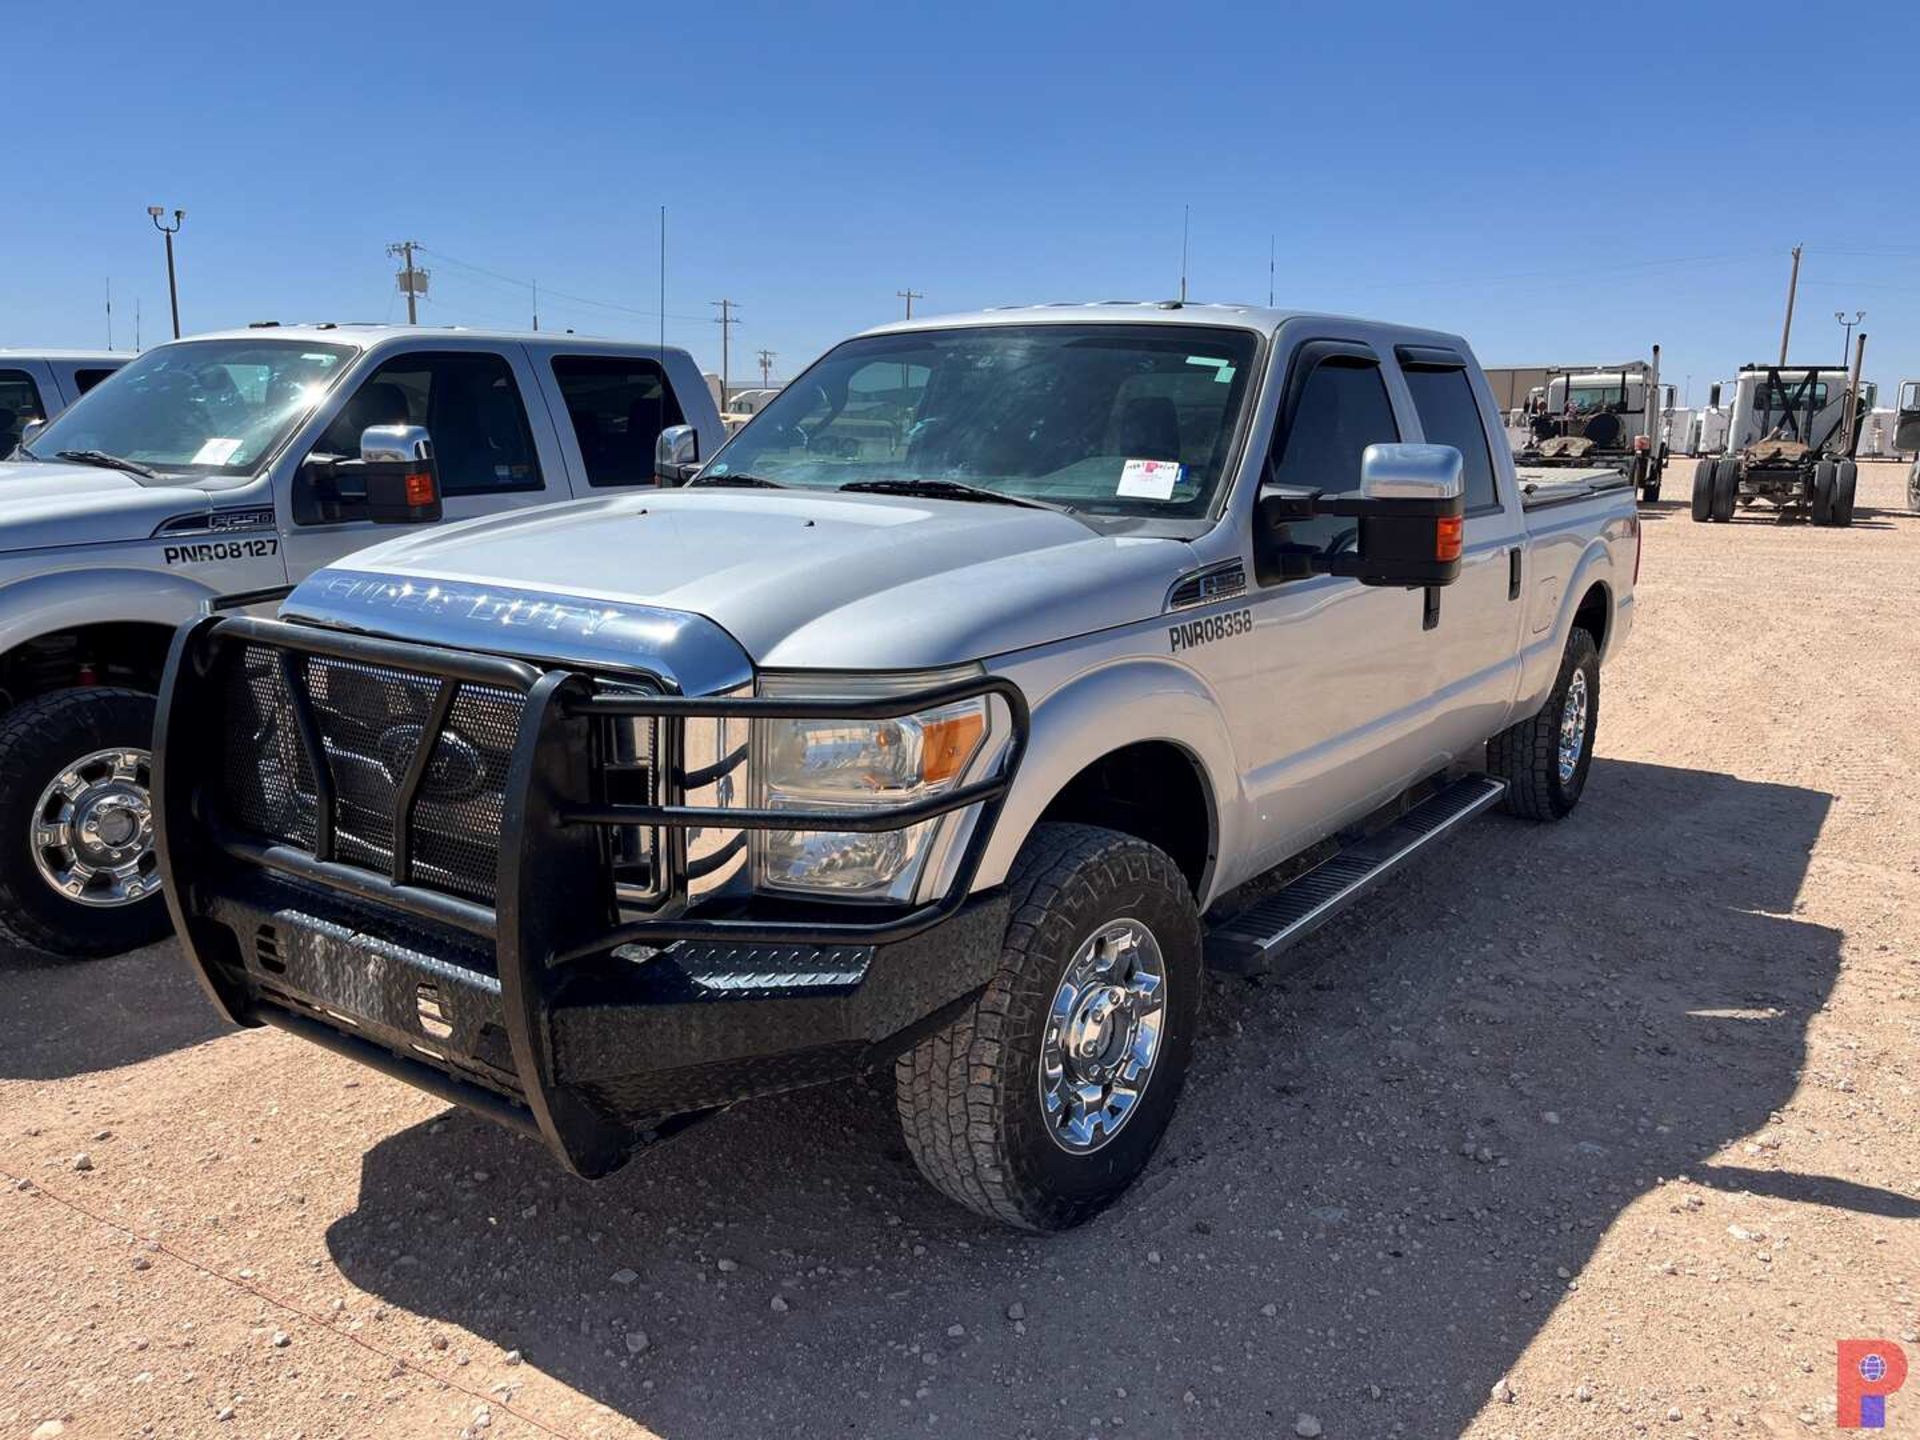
(944, 720)
(232, 463)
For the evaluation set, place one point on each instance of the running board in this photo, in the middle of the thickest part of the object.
(1249, 942)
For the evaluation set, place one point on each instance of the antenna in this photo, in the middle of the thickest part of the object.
(1186, 213)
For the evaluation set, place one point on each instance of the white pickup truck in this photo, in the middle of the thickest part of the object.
(942, 721)
(37, 383)
(232, 463)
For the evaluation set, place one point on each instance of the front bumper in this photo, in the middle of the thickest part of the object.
(544, 1009)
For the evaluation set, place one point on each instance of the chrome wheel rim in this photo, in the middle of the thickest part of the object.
(1573, 726)
(92, 829)
(1103, 1035)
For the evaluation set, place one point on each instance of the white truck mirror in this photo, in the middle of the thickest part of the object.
(31, 431)
(396, 442)
(1411, 472)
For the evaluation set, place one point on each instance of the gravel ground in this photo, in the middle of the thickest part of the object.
(1588, 1130)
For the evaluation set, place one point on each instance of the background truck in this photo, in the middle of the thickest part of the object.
(35, 384)
(232, 463)
(1599, 415)
(1790, 445)
(998, 676)
(1906, 437)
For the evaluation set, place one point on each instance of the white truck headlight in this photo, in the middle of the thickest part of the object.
(855, 765)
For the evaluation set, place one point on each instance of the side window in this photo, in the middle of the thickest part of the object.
(19, 403)
(618, 408)
(1448, 414)
(85, 380)
(471, 408)
(1343, 408)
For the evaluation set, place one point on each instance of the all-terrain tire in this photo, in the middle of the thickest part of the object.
(1846, 482)
(1726, 489)
(1703, 490)
(1527, 756)
(1822, 499)
(969, 1095)
(39, 739)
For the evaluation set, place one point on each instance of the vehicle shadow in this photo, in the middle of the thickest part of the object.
(69, 1017)
(1384, 1169)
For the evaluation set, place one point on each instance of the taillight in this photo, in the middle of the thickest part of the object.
(1642, 444)
(1447, 533)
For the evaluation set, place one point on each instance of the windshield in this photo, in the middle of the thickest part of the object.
(205, 407)
(1603, 397)
(1106, 419)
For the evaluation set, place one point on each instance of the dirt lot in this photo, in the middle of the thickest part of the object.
(1621, 1113)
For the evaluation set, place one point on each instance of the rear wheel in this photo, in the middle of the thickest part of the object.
(1822, 496)
(1846, 482)
(1545, 758)
(1726, 489)
(1044, 1100)
(77, 871)
(1703, 490)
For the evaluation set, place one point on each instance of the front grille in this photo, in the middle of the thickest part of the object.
(372, 720)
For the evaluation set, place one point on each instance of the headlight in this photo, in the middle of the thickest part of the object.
(857, 765)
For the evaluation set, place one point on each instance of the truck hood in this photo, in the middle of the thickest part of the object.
(45, 506)
(800, 581)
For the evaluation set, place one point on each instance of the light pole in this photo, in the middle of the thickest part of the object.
(1846, 354)
(156, 214)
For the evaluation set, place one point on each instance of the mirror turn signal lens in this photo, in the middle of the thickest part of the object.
(1447, 533)
(420, 488)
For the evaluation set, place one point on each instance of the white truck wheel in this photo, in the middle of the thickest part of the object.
(77, 871)
(1043, 1101)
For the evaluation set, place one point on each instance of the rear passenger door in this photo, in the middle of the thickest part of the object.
(491, 457)
(1475, 646)
(611, 409)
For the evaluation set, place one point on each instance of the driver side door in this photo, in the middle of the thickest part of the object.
(490, 456)
(1330, 703)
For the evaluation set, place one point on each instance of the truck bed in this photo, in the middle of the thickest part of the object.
(1544, 485)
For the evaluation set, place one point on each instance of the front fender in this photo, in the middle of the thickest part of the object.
(65, 599)
(1098, 712)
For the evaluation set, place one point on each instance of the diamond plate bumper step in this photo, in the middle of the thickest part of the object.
(1251, 941)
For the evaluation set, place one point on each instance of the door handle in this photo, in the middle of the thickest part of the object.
(1513, 573)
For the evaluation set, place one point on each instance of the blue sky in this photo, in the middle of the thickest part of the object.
(1557, 183)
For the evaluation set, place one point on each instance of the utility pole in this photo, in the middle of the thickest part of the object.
(136, 324)
(726, 320)
(910, 295)
(155, 212)
(109, 312)
(412, 279)
(536, 307)
(1270, 240)
(1793, 285)
(1846, 351)
(766, 368)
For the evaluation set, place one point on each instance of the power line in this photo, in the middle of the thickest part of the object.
(553, 294)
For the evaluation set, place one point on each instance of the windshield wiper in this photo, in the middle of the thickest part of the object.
(756, 482)
(107, 462)
(948, 490)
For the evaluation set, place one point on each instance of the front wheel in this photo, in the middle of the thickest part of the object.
(1545, 758)
(1040, 1104)
(78, 876)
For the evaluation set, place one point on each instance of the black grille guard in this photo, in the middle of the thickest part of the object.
(554, 903)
